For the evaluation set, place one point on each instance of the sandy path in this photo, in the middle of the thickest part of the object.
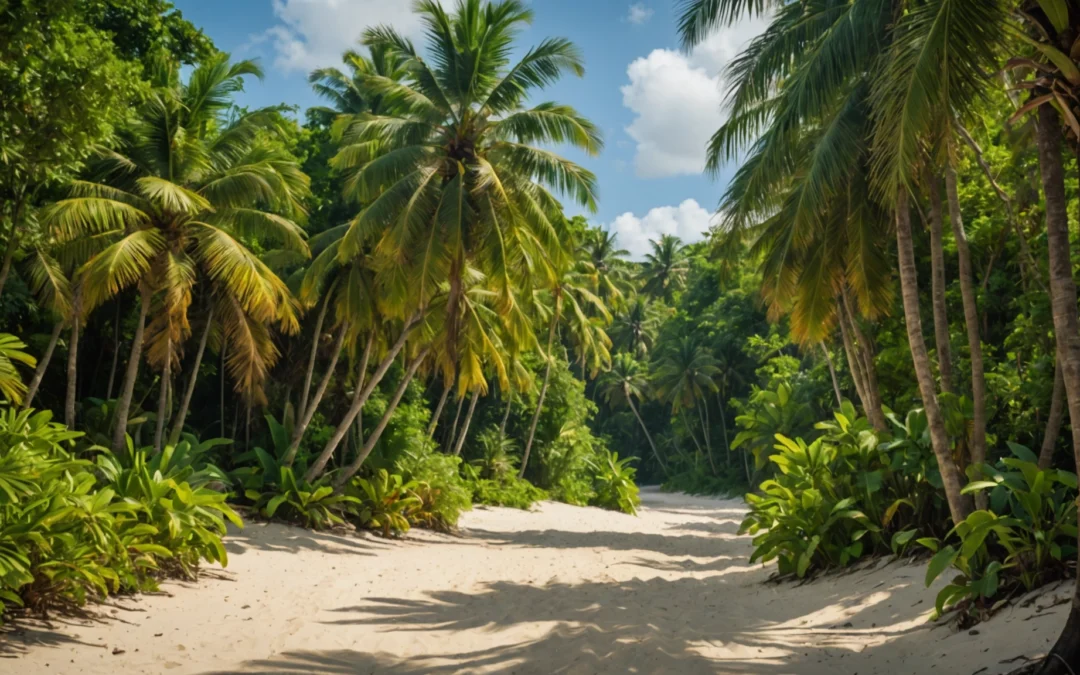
(557, 590)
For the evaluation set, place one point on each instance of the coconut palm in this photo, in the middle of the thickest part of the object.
(684, 377)
(626, 381)
(345, 92)
(190, 182)
(605, 263)
(665, 268)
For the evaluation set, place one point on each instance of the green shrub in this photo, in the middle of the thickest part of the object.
(384, 503)
(438, 484)
(313, 505)
(614, 484)
(508, 491)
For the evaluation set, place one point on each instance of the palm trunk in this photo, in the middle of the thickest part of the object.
(163, 397)
(189, 391)
(1065, 656)
(43, 364)
(313, 405)
(937, 286)
(854, 364)
(648, 436)
(73, 360)
(723, 427)
(127, 389)
(434, 423)
(506, 415)
(362, 396)
(682, 415)
(705, 433)
(448, 442)
(12, 244)
(865, 354)
(376, 433)
(971, 320)
(465, 425)
(302, 408)
(959, 505)
(1053, 420)
(115, 353)
(543, 390)
(832, 374)
(221, 392)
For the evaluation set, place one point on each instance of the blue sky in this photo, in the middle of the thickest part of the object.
(656, 105)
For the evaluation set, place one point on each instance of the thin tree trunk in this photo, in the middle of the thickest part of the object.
(959, 505)
(543, 391)
(448, 442)
(832, 374)
(1053, 420)
(465, 425)
(937, 286)
(1066, 651)
(313, 405)
(115, 353)
(127, 389)
(362, 396)
(73, 360)
(377, 432)
(189, 391)
(12, 244)
(705, 433)
(302, 408)
(221, 373)
(43, 364)
(506, 414)
(648, 436)
(247, 425)
(682, 414)
(163, 397)
(723, 427)
(854, 364)
(865, 354)
(434, 423)
(971, 320)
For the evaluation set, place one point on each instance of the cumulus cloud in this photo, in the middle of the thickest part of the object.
(639, 13)
(687, 221)
(314, 33)
(677, 101)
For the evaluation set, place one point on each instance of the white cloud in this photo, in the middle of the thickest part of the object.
(687, 221)
(314, 33)
(677, 100)
(639, 13)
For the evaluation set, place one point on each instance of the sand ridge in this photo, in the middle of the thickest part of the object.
(560, 589)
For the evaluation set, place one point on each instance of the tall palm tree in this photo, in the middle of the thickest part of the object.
(634, 329)
(626, 381)
(665, 268)
(605, 263)
(684, 377)
(191, 181)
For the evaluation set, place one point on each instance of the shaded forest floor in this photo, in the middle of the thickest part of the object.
(557, 590)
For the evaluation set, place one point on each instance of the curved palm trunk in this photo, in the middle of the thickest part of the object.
(43, 364)
(937, 286)
(506, 415)
(1053, 420)
(127, 389)
(434, 423)
(465, 425)
(163, 396)
(1065, 655)
(73, 363)
(864, 353)
(543, 391)
(854, 364)
(313, 404)
(959, 505)
(115, 353)
(362, 396)
(377, 432)
(971, 321)
(705, 432)
(448, 442)
(832, 374)
(309, 373)
(648, 436)
(189, 391)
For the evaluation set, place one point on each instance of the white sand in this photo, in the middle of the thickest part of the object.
(557, 590)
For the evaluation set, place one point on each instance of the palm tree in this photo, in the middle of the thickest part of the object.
(51, 286)
(665, 268)
(625, 381)
(347, 93)
(605, 264)
(683, 377)
(569, 302)
(172, 206)
(634, 329)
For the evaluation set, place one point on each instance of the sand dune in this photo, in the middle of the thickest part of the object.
(558, 590)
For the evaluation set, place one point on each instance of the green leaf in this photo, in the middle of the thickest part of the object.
(941, 561)
(1058, 13)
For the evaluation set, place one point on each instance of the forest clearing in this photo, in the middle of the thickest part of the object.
(561, 589)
